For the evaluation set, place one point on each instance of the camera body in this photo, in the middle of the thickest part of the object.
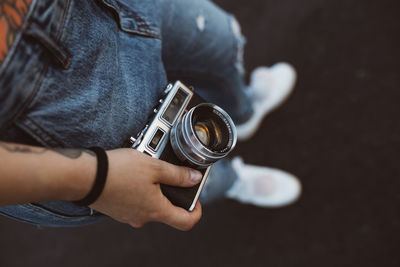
(185, 130)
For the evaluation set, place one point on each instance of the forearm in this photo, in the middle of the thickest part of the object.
(29, 174)
(132, 193)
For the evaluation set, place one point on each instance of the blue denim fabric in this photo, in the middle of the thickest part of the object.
(86, 73)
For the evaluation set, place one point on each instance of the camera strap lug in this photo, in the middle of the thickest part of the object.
(136, 141)
(168, 88)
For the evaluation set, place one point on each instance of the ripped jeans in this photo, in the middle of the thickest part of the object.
(84, 73)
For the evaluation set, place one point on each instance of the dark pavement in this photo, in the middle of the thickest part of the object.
(339, 132)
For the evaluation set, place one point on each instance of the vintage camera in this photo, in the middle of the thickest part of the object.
(185, 130)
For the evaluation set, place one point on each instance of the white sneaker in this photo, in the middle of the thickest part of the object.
(268, 89)
(263, 186)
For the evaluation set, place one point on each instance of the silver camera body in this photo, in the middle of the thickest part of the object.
(185, 130)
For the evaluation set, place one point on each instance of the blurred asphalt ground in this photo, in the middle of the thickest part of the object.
(339, 132)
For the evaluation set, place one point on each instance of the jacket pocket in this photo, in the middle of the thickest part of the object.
(130, 21)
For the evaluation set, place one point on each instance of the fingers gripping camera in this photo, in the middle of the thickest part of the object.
(185, 130)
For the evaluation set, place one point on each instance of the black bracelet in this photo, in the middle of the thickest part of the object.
(101, 176)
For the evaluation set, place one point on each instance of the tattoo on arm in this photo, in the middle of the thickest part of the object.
(12, 148)
(67, 152)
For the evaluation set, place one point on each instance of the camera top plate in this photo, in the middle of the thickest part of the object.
(170, 110)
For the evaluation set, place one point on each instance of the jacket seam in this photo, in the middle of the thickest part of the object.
(43, 131)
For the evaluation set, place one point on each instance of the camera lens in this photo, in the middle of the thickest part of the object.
(204, 135)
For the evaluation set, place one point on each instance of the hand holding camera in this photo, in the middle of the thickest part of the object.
(132, 192)
(187, 131)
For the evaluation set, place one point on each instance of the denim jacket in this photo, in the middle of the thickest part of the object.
(80, 74)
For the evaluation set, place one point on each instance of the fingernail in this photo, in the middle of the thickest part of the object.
(195, 176)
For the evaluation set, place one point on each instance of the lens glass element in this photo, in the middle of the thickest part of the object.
(209, 133)
(211, 128)
(202, 133)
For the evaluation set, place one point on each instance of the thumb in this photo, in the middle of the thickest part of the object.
(178, 176)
